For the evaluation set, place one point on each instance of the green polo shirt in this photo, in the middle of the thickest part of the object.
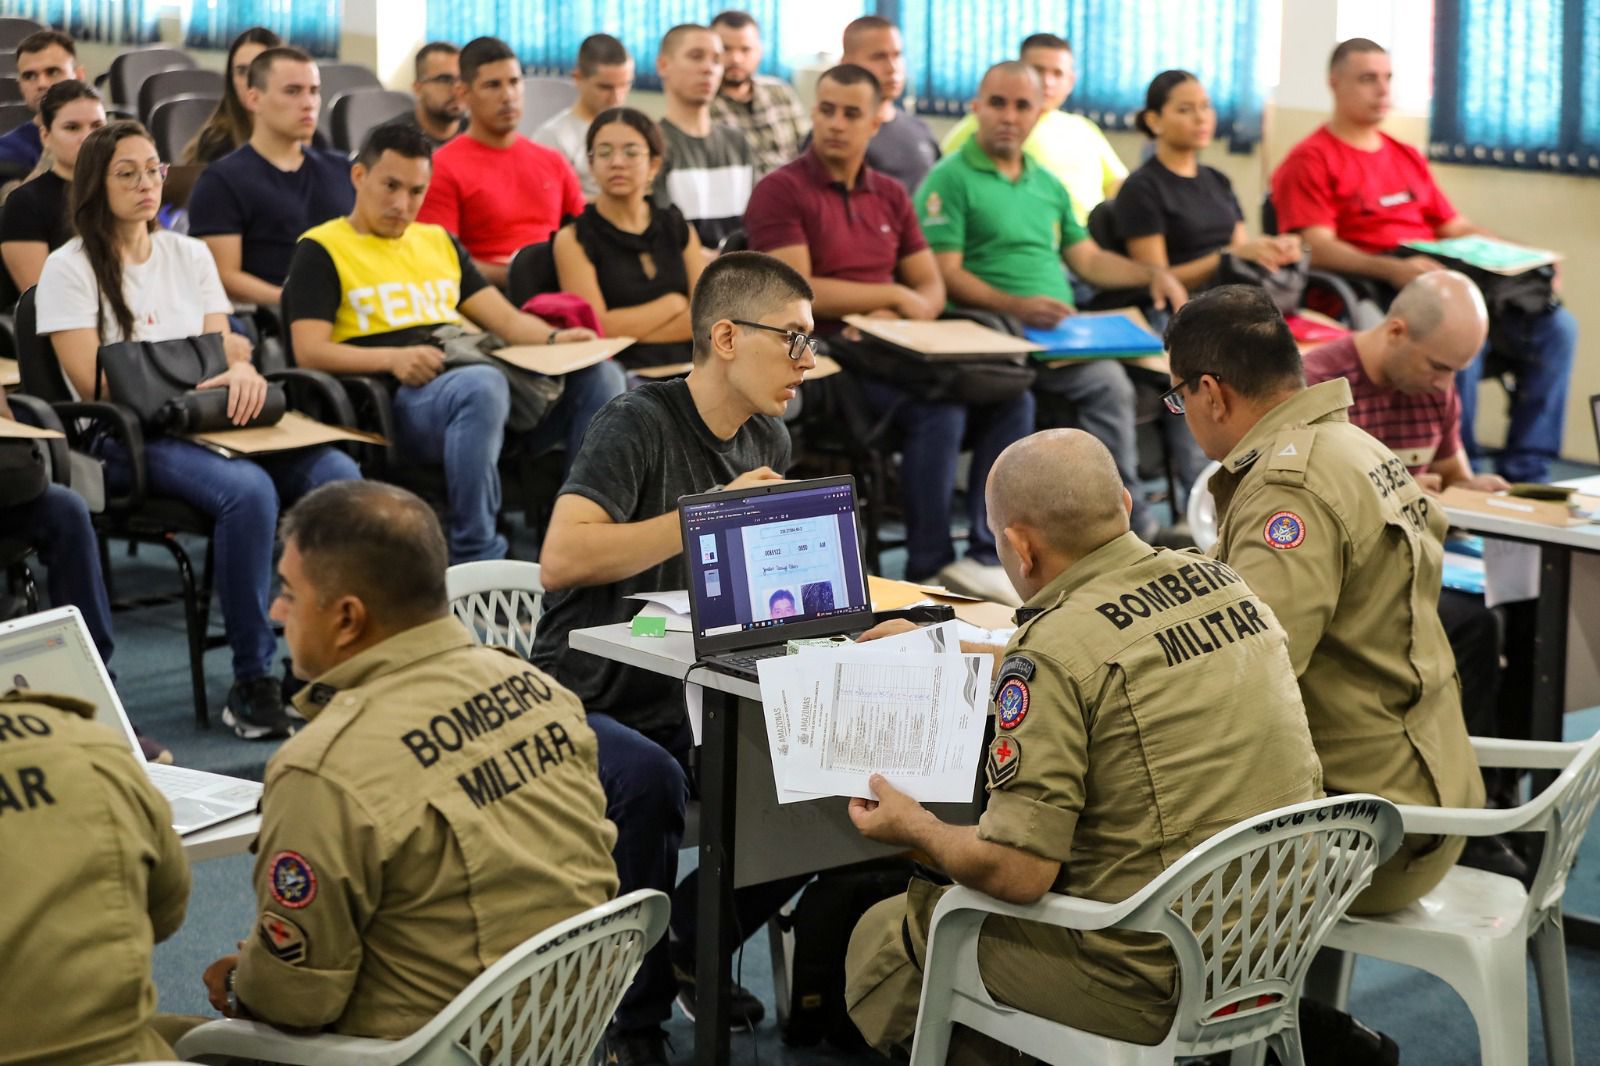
(1009, 233)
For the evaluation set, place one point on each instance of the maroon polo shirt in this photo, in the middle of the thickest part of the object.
(858, 234)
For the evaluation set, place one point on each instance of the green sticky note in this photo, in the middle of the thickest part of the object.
(645, 626)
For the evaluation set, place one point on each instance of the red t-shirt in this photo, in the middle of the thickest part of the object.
(1421, 428)
(1373, 200)
(858, 234)
(498, 200)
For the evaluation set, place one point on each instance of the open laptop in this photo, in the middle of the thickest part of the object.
(52, 652)
(771, 564)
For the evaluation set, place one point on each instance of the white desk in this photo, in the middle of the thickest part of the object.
(232, 837)
(745, 836)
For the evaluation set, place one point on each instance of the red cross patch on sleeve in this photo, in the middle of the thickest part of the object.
(1005, 759)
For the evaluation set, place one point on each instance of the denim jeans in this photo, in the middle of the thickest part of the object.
(1540, 353)
(458, 421)
(1102, 399)
(931, 435)
(242, 496)
(57, 526)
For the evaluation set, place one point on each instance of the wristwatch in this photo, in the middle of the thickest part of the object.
(233, 997)
(552, 338)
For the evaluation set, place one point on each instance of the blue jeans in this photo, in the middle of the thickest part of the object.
(930, 447)
(1539, 352)
(458, 421)
(242, 497)
(57, 526)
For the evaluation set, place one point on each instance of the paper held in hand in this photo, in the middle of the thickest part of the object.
(943, 338)
(553, 360)
(910, 707)
(13, 430)
(292, 431)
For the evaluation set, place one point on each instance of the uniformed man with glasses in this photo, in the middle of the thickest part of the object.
(614, 532)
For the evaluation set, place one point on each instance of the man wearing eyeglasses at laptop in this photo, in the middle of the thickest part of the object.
(614, 532)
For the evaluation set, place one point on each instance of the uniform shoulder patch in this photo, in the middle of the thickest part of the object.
(1005, 759)
(1017, 666)
(292, 881)
(1011, 703)
(282, 938)
(1285, 529)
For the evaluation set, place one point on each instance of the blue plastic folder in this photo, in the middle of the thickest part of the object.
(1094, 337)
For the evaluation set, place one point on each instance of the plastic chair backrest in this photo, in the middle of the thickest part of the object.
(532, 271)
(1103, 226)
(13, 115)
(36, 358)
(548, 1002)
(499, 600)
(357, 112)
(338, 79)
(1202, 509)
(543, 99)
(1572, 798)
(175, 121)
(736, 241)
(171, 84)
(130, 69)
(13, 30)
(10, 90)
(1248, 909)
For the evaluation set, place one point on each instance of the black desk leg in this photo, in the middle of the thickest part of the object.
(1549, 704)
(714, 945)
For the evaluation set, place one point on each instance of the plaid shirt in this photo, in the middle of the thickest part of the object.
(774, 121)
(1421, 428)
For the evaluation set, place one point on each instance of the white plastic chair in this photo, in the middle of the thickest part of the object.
(546, 1003)
(1240, 968)
(1202, 509)
(1476, 928)
(500, 600)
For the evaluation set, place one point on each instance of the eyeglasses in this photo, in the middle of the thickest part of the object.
(1173, 397)
(632, 152)
(132, 179)
(799, 343)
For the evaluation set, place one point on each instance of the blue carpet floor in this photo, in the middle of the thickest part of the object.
(1430, 1022)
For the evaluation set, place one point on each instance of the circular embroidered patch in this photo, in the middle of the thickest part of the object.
(291, 880)
(1011, 704)
(1285, 530)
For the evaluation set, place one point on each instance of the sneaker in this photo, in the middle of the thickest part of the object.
(745, 1011)
(154, 751)
(255, 710)
(972, 578)
(645, 1047)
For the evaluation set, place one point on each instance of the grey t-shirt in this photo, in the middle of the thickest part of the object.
(643, 450)
(569, 135)
(707, 178)
(905, 149)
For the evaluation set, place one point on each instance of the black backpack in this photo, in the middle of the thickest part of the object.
(822, 922)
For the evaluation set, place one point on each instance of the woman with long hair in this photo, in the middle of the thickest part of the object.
(123, 279)
(229, 126)
(35, 222)
(635, 263)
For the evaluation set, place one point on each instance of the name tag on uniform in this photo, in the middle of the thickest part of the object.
(1395, 199)
(1415, 457)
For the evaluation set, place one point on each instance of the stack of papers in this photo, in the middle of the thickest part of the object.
(911, 707)
(672, 606)
(1095, 336)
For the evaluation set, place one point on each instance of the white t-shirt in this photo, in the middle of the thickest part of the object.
(169, 294)
(567, 134)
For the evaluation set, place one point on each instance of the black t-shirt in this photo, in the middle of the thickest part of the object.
(1196, 215)
(268, 208)
(643, 450)
(313, 290)
(37, 211)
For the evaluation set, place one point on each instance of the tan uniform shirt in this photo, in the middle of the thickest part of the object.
(1328, 527)
(91, 877)
(442, 807)
(1148, 704)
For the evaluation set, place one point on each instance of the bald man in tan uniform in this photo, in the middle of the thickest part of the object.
(441, 807)
(1145, 703)
(1332, 531)
(92, 876)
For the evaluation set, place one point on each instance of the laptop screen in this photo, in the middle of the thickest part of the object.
(52, 652)
(774, 560)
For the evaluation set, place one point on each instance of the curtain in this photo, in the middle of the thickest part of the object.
(1120, 45)
(310, 24)
(1517, 83)
(116, 21)
(545, 34)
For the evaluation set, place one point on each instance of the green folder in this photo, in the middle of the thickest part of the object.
(1486, 253)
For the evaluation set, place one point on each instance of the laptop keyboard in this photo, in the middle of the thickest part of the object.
(747, 662)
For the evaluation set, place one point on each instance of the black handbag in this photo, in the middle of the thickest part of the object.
(532, 395)
(147, 376)
(23, 477)
(941, 380)
(1286, 285)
